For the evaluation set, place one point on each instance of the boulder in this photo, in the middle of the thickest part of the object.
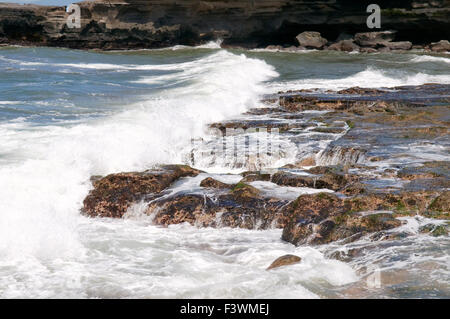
(344, 45)
(441, 46)
(311, 39)
(374, 39)
(114, 194)
(285, 260)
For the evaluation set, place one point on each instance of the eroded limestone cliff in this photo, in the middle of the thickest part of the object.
(121, 24)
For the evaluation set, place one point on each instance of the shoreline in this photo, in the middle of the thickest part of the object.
(133, 24)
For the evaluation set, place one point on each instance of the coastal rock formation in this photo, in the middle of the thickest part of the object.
(364, 192)
(131, 24)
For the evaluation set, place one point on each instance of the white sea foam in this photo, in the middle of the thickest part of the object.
(430, 58)
(370, 78)
(41, 195)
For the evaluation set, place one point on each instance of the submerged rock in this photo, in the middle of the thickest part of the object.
(114, 194)
(285, 260)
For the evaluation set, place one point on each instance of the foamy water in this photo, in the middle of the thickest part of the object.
(68, 115)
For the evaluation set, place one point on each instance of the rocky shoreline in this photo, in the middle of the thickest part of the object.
(360, 185)
(278, 25)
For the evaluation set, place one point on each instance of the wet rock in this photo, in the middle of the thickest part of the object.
(274, 47)
(344, 45)
(311, 39)
(346, 255)
(356, 90)
(285, 260)
(210, 182)
(255, 176)
(299, 103)
(374, 39)
(402, 203)
(114, 194)
(440, 206)
(434, 230)
(323, 218)
(329, 178)
(388, 235)
(348, 226)
(342, 155)
(354, 189)
(367, 50)
(242, 207)
(309, 161)
(441, 46)
(427, 170)
(402, 45)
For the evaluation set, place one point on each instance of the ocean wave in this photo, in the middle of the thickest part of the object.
(43, 188)
(429, 58)
(370, 78)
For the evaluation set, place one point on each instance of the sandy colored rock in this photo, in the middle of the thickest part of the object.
(285, 260)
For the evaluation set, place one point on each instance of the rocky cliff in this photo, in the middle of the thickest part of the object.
(121, 24)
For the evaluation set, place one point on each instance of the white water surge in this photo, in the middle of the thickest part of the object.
(48, 250)
(48, 167)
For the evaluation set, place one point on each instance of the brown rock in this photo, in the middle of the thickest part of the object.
(236, 210)
(285, 260)
(210, 182)
(441, 46)
(374, 39)
(344, 45)
(401, 45)
(311, 39)
(115, 193)
(330, 179)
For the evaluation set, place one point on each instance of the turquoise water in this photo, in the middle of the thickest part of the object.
(66, 115)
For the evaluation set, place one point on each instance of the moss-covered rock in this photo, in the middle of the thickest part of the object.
(114, 194)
